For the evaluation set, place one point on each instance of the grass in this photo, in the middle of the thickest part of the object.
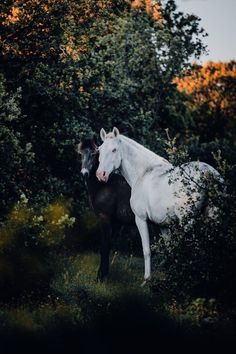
(75, 295)
(76, 273)
(79, 306)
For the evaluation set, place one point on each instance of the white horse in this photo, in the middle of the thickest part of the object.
(159, 191)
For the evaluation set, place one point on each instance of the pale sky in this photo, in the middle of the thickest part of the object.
(219, 21)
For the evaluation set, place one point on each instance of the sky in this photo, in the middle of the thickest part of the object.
(219, 21)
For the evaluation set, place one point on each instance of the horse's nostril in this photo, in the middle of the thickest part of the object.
(104, 173)
(84, 173)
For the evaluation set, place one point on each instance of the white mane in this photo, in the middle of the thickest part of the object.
(152, 157)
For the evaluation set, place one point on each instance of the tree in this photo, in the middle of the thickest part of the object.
(211, 91)
(16, 156)
(87, 64)
(37, 55)
(130, 83)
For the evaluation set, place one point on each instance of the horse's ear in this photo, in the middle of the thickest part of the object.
(103, 134)
(116, 132)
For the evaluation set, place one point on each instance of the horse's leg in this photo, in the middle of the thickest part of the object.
(103, 270)
(143, 230)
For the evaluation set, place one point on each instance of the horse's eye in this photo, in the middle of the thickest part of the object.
(114, 150)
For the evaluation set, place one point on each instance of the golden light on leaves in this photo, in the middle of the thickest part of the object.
(49, 222)
(152, 7)
(22, 15)
(56, 218)
(27, 16)
(14, 16)
(55, 212)
(211, 84)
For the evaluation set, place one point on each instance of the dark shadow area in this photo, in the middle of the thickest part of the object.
(129, 326)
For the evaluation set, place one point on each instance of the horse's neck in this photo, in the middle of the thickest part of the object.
(136, 159)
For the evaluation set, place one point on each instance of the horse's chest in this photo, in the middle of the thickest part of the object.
(104, 201)
(152, 199)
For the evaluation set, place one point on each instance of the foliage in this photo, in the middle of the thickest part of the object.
(198, 259)
(132, 68)
(212, 99)
(45, 226)
(87, 64)
(26, 238)
(79, 310)
(75, 297)
(67, 69)
(16, 155)
(196, 312)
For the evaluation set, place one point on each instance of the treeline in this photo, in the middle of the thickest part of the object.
(69, 68)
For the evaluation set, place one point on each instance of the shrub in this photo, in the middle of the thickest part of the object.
(16, 155)
(199, 258)
(26, 237)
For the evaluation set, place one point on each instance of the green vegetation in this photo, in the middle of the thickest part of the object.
(68, 68)
(74, 293)
(76, 300)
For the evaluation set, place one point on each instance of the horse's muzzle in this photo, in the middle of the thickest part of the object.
(84, 173)
(102, 176)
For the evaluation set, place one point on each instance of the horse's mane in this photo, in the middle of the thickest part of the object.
(87, 143)
(142, 148)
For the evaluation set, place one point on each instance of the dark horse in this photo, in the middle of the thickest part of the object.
(110, 201)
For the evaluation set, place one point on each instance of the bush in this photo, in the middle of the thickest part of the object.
(16, 156)
(27, 236)
(199, 259)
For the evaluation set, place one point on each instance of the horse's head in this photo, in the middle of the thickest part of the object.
(109, 154)
(89, 151)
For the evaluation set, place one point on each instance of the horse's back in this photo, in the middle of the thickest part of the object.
(198, 169)
(191, 185)
(163, 194)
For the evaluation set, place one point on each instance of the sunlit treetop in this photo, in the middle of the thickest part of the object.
(213, 83)
(34, 28)
(13, 16)
(152, 7)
